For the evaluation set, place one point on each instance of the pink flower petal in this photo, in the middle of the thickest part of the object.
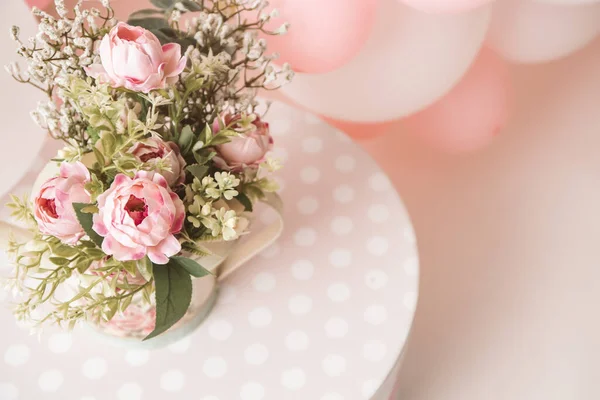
(157, 257)
(174, 63)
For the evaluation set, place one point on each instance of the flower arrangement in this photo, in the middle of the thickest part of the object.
(165, 152)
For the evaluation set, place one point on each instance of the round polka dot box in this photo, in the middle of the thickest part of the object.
(322, 314)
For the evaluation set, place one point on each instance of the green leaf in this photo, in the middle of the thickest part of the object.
(145, 268)
(207, 134)
(95, 253)
(173, 296)
(162, 38)
(254, 192)
(91, 209)
(199, 171)
(186, 138)
(86, 244)
(93, 133)
(99, 157)
(141, 14)
(152, 24)
(123, 304)
(195, 249)
(130, 267)
(128, 165)
(220, 139)
(64, 251)
(245, 200)
(192, 267)
(170, 32)
(191, 5)
(186, 42)
(204, 159)
(59, 261)
(109, 144)
(163, 4)
(83, 265)
(87, 221)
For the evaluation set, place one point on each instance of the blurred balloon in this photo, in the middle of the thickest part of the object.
(356, 130)
(472, 113)
(41, 4)
(410, 61)
(525, 31)
(323, 35)
(445, 6)
(361, 130)
(568, 2)
(122, 8)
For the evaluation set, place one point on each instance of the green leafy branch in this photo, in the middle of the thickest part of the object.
(173, 291)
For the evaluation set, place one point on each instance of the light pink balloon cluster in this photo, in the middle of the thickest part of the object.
(445, 6)
(372, 66)
(324, 34)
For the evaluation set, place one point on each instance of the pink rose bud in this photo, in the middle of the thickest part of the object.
(247, 150)
(133, 58)
(154, 150)
(140, 217)
(53, 206)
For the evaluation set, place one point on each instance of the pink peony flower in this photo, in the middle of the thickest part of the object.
(153, 150)
(247, 150)
(53, 206)
(140, 217)
(133, 58)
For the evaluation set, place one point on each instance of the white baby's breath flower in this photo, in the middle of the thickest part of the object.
(283, 29)
(14, 32)
(176, 15)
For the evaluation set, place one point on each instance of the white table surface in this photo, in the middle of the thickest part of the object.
(323, 313)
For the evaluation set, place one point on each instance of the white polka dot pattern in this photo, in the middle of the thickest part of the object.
(51, 380)
(17, 355)
(130, 391)
(322, 314)
(94, 368)
(172, 381)
(256, 354)
(137, 357)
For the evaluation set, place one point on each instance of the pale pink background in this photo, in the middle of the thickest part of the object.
(509, 241)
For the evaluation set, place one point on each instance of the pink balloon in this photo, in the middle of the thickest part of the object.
(472, 113)
(445, 6)
(41, 4)
(362, 130)
(323, 34)
(356, 130)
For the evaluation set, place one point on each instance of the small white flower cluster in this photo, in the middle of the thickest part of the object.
(228, 44)
(62, 48)
(208, 209)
